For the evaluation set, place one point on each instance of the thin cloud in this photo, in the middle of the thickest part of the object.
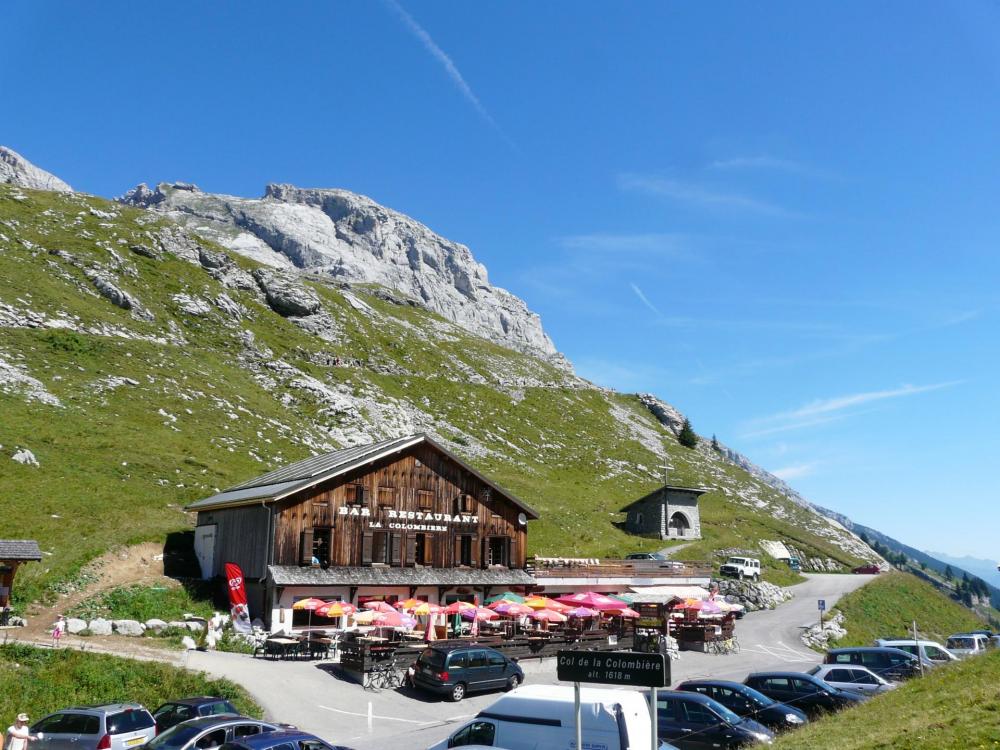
(839, 403)
(697, 195)
(823, 411)
(645, 300)
(449, 66)
(797, 471)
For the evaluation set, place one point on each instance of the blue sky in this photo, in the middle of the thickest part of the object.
(781, 218)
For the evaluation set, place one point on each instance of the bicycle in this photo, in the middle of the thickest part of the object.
(384, 675)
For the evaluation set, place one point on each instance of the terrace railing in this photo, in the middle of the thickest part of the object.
(561, 567)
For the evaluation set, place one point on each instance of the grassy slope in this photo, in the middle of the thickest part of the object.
(886, 607)
(953, 707)
(43, 680)
(115, 470)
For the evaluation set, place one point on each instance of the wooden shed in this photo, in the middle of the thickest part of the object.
(14, 552)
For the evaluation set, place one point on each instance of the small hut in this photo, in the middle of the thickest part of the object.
(13, 552)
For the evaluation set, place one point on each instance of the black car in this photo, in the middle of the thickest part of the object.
(893, 664)
(803, 691)
(748, 703)
(207, 732)
(182, 709)
(691, 721)
(458, 670)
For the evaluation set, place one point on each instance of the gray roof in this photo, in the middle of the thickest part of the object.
(377, 575)
(302, 474)
(671, 488)
(19, 549)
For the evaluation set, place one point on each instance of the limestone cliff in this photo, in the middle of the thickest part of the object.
(16, 170)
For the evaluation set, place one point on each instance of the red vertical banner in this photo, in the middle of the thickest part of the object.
(238, 598)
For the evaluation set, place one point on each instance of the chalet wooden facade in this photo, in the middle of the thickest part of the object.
(396, 519)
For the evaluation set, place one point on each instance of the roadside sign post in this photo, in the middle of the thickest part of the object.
(822, 608)
(916, 645)
(614, 668)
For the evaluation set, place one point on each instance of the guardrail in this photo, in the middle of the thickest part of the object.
(573, 568)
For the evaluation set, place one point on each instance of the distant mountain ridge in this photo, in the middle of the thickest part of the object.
(16, 170)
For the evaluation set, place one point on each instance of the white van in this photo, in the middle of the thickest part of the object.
(931, 650)
(968, 644)
(540, 717)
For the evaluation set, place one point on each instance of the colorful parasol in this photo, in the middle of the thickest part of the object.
(623, 612)
(544, 602)
(409, 604)
(456, 608)
(426, 608)
(582, 612)
(310, 604)
(512, 609)
(380, 606)
(509, 596)
(548, 615)
(479, 613)
(591, 600)
(336, 609)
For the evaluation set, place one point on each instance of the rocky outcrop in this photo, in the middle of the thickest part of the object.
(286, 296)
(100, 626)
(349, 237)
(16, 170)
(753, 596)
(75, 625)
(667, 415)
(822, 638)
(131, 628)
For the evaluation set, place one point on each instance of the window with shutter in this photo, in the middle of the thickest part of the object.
(395, 557)
(386, 497)
(306, 547)
(411, 549)
(425, 499)
(366, 548)
(380, 548)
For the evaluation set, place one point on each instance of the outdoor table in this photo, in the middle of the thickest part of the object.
(282, 646)
(318, 646)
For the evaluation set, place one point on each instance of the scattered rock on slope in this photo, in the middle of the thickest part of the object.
(285, 296)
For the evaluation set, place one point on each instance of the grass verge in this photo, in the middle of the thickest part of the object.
(956, 706)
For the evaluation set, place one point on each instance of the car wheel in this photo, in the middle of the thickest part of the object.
(458, 692)
(513, 682)
(756, 577)
(740, 575)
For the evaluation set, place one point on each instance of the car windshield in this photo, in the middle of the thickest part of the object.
(759, 698)
(726, 714)
(735, 560)
(174, 738)
(961, 643)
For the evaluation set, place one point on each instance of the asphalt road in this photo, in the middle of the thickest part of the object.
(311, 696)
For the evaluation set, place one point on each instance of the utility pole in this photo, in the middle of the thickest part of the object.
(666, 471)
(916, 643)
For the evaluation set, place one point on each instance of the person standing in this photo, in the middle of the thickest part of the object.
(57, 630)
(18, 735)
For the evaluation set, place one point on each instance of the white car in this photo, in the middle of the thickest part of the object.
(852, 677)
(929, 650)
(741, 567)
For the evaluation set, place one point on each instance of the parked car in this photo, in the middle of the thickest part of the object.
(967, 644)
(803, 691)
(693, 721)
(113, 726)
(458, 670)
(891, 663)
(795, 564)
(929, 650)
(182, 709)
(285, 739)
(542, 716)
(741, 567)
(852, 677)
(748, 703)
(646, 556)
(209, 731)
(869, 569)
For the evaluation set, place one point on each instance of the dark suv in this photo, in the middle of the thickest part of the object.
(893, 664)
(748, 703)
(457, 670)
(182, 709)
(803, 691)
(691, 721)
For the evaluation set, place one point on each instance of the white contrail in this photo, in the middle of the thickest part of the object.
(645, 300)
(449, 66)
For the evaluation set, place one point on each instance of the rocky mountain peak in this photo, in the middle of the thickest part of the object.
(351, 237)
(16, 170)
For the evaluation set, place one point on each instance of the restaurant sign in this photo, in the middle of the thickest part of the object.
(410, 520)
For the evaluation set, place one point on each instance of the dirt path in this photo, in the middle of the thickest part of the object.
(141, 564)
(671, 551)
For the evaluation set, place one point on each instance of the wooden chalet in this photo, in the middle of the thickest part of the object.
(398, 519)
(13, 553)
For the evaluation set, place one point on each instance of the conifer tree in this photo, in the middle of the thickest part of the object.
(948, 575)
(715, 444)
(687, 438)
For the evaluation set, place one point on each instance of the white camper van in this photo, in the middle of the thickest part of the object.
(534, 717)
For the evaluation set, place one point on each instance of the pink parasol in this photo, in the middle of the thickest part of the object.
(479, 614)
(513, 609)
(582, 612)
(543, 602)
(592, 600)
(336, 609)
(624, 612)
(426, 608)
(456, 608)
(379, 606)
(548, 615)
(388, 619)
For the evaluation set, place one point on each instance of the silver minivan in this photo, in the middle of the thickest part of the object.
(115, 726)
(968, 644)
